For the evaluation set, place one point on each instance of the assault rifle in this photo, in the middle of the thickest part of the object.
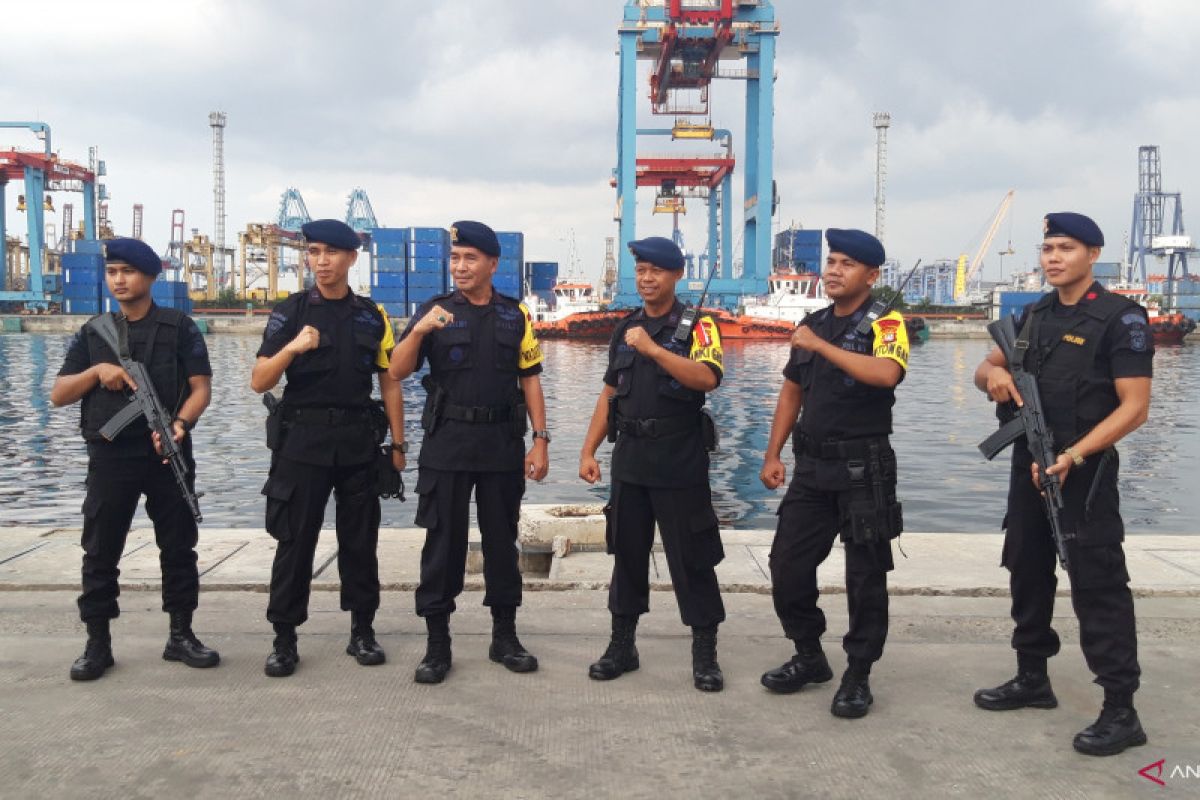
(1030, 422)
(143, 402)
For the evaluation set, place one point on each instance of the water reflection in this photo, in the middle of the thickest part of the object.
(945, 484)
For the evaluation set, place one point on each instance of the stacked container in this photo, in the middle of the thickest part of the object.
(389, 269)
(508, 277)
(83, 282)
(541, 276)
(799, 250)
(428, 259)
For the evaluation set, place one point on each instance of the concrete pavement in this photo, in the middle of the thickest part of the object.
(151, 728)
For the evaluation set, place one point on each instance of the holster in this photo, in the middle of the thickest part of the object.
(869, 510)
(435, 401)
(709, 431)
(520, 416)
(612, 419)
(276, 427)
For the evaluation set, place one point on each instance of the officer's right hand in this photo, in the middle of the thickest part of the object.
(1000, 386)
(114, 378)
(589, 469)
(307, 339)
(435, 319)
(773, 473)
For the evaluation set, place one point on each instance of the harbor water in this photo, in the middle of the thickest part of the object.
(945, 485)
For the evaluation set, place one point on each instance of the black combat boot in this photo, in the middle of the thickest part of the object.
(706, 672)
(284, 658)
(182, 644)
(621, 655)
(1117, 728)
(97, 653)
(362, 646)
(436, 663)
(807, 666)
(853, 698)
(506, 648)
(1029, 689)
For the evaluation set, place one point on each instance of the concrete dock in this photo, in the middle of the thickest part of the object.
(152, 728)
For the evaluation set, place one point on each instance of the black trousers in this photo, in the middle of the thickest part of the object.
(1100, 591)
(443, 509)
(114, 487)
(296, 497)
(809, 521)
(691, 539)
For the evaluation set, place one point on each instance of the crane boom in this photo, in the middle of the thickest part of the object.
(966, 273)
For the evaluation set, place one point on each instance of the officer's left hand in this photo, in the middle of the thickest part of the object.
(399, 460)
(177, 427)
(806, 338)
(1060, 468)
(537, 460)
(639, 340)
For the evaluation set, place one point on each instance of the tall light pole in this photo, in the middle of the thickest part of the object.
(881, 120)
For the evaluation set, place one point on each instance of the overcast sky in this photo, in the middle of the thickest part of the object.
(506, 112)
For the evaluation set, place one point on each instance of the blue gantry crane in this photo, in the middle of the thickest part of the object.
(686, 40)
(293, 214)
(1147, 237)
(359, 214)
(40, 172)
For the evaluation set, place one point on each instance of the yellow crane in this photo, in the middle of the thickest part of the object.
(965, 273)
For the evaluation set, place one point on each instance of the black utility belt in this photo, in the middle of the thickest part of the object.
(654, 427)
(326, 416)
(476, 413)
(834, 449)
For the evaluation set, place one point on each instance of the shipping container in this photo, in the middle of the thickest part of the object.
(541, 275)
(87, 247)
(438, 250)
(389, 249)
(430, 235)
(390, 235)
(389, 280)
(75, 305)
(427, 265)
(389, 264)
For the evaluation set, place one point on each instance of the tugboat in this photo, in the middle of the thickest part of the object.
(1167, 329)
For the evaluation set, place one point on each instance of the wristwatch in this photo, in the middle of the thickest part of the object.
(400, 446)
(187, 426)
(542, 435)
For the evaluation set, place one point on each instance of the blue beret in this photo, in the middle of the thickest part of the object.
(859, 245)
(135, 253)
(332, 232)
(659, 251)
(1077, 226)
(466, 233)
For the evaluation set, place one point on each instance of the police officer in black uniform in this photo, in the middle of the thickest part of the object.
(843, 372)
(484, 363)
(1092, 353)
(653, 397)
(329, 342)
(122, 470)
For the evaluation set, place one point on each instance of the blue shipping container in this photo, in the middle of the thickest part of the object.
(393, 249)
(88, 246)
(390, 235)
(389, 280)
(389, 264)
(86, 260)
(438, 250)
(385, 296)
(430, 235)
(427, 265)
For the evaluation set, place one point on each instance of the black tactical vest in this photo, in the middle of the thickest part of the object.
(673, 398)
(160, 354)
(310, 373)
(1077, 390)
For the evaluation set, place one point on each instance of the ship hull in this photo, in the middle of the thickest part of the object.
(599, 325)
